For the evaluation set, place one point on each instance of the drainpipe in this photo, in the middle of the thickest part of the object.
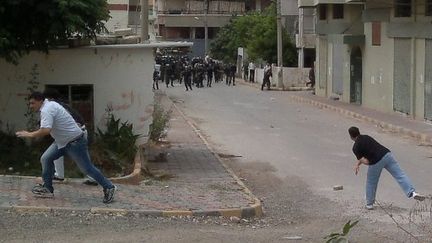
(413, 67)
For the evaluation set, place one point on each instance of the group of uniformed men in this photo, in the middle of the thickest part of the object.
(170, 68)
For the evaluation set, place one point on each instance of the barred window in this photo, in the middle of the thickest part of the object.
(322, 12)
(428, 10)
(338, 11)
(403, 8)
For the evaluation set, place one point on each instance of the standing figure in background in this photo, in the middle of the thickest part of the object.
(245, 70)
(156, 77)
(187, 76)
(251, 72)
(267, 75)
(311, 77)
(232, 72)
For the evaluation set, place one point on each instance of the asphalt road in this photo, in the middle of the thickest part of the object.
(300, 140)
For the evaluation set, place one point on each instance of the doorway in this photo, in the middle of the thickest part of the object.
(356, 76)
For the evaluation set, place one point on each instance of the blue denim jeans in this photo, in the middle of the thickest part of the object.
(78, 152)
(374, 172)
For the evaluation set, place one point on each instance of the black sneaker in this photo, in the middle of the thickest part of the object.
(89, 182)
(40, 191)
(109, 194)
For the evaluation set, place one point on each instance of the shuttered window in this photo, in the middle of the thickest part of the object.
(376, 33)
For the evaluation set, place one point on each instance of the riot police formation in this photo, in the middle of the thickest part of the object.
(170, 68)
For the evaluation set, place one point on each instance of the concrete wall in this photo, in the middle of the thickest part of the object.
(291, 77)
(378, 71)
(121, 78)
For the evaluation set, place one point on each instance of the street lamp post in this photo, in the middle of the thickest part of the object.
(206, 7)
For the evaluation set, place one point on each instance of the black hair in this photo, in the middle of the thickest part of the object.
(354, 132)
(51, 93)
(36, 95)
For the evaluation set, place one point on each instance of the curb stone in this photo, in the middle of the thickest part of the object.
(255, 209)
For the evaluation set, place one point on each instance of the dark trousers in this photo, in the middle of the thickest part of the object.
(188, 83)
(266, 81)
(251, 75)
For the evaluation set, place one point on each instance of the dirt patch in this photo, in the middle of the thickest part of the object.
(288, 202)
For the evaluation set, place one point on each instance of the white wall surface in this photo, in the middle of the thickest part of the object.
(121, 78)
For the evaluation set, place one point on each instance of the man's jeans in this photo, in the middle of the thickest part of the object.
(78, 152)
(374, 172)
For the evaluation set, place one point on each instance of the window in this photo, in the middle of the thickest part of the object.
(402, 8)
(322, 12)
(80, 98)
(338, 11)
(376, 33)
(428, 10)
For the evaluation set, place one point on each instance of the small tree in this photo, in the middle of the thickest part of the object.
(40, 24)
(258, 34)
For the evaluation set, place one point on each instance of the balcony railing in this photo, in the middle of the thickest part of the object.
(215, 7)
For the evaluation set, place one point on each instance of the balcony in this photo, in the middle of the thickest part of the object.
(306, 41)
(314, 3)
(197, 7)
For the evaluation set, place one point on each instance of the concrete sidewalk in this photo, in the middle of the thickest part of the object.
(200, 184)
(397, 123)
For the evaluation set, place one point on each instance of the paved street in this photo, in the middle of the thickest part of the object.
(300, 140)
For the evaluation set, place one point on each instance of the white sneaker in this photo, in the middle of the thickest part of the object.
(418, 197)
(369, 206)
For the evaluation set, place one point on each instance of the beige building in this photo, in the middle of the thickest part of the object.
(198, 21)
(375, 53)
(127, 14)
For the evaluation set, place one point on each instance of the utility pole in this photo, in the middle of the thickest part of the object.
(144, 20)
(279, 44)
(279, 34)
(300, 38)
(206, 7)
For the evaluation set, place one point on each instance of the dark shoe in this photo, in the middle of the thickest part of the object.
(56, 178)
(109, 194)
(89, 182)
(40, 191)
(418, 197)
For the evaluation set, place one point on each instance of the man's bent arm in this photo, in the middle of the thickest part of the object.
(38, 133)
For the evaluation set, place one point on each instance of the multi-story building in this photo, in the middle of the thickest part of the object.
(305, 37)
(127, 14)
(377, 53)
(188, 20)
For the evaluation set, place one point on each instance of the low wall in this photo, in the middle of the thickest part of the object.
(121, 79)
(292, 77)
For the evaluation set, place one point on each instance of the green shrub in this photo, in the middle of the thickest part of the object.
(115, 148)
(160, 122)
(17, 157)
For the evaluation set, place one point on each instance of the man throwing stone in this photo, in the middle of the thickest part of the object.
(68, 139)
(377, 157)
